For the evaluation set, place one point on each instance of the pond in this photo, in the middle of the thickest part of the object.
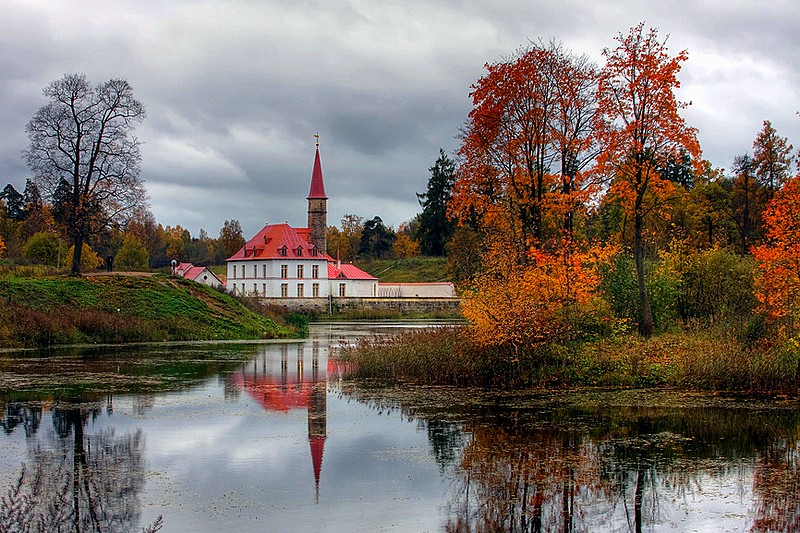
(268, 437)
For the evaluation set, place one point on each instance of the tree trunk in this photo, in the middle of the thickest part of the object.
(74, 416)
(646, 319)
(76, 255)
(746, 215)
(638, 497)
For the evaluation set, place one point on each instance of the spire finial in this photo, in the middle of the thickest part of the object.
(316, 136)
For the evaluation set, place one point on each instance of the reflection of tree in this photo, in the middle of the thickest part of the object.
(77, 481)
(776, 485)
(27, 415)
(599, 461)
(551, 472)
(446, 440)
(143, 403)
(523, 481)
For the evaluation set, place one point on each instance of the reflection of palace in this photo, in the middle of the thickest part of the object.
(285, 388)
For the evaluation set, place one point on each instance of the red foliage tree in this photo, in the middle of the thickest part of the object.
(778, 277)
(528, 139)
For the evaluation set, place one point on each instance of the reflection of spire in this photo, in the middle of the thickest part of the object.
(317, 418)
(282, 390)
(317, 429)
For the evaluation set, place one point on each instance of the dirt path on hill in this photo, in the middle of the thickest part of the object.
(129, 274)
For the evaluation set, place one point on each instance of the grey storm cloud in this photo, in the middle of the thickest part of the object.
(236, 90)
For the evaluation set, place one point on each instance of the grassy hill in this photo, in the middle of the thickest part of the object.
(413, 270)
(42, 311)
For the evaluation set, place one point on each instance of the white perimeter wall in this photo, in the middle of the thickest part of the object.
(417, 290)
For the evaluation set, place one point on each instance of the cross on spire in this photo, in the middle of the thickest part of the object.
(316, 136)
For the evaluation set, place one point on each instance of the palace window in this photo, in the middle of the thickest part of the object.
(342, 290)
(255, 271)
(234, 273)
(300, 271)
(263, 289)
(315, 290)
(264, 271)
(315, 271)
(299, 290)
(284, 290)
(284, 271)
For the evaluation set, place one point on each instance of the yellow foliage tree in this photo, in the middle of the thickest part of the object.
(405, 247)
(528, 305)
(2, 247)
(89, 258)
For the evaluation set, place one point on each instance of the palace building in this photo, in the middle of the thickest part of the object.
(285, 262)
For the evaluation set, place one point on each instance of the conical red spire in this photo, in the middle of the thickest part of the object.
(317, 186)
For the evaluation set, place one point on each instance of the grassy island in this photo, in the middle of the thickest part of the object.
(701, 359)
(53, 310)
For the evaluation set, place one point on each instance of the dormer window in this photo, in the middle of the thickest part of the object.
(314, 251)
(282, 251)
(299, 251)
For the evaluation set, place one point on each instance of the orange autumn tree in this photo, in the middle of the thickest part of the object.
(525, 146)
(522, 182)
(640, 130)
(524, 306)
(574, 79)
(778, 259)
(506, 155)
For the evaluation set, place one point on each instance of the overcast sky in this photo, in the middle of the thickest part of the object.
(236, 89)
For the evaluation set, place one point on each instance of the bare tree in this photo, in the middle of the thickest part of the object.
(84, 157)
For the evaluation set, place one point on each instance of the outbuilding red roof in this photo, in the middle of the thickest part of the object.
(346, 271)
(279, 241)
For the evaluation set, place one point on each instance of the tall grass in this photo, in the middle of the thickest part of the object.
(697, 360)
(29, 271)
(446, 355)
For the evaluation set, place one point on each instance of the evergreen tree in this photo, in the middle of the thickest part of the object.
(15, 203)
(376, 239)
(435, 229)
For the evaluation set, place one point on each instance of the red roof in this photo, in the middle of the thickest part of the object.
(192, 272)
(279, 241)
(317, 186)
(346, 271)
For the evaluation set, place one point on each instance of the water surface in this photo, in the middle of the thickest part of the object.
(267, 437)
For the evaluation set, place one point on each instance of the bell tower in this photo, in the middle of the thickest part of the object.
(318, 205)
